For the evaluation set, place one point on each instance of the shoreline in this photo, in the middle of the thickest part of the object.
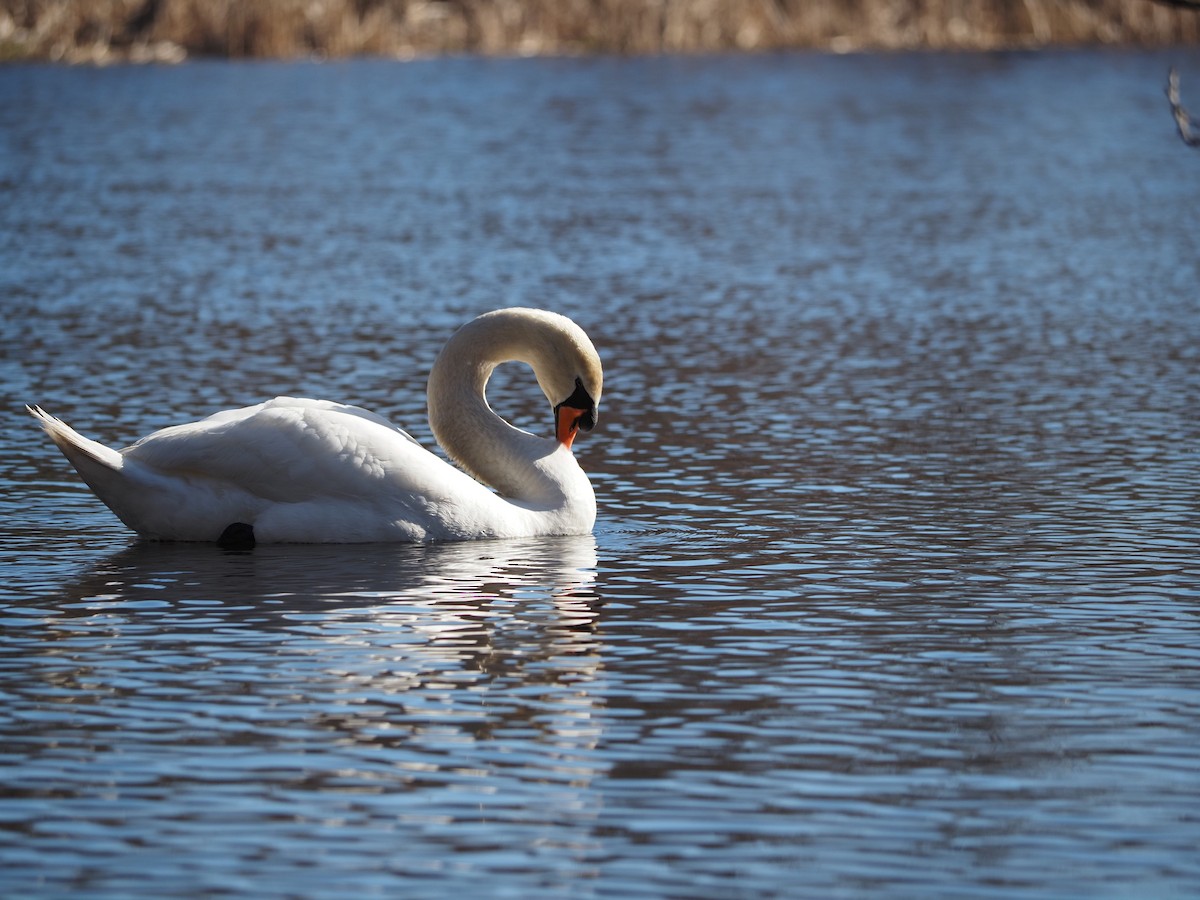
(172, 31)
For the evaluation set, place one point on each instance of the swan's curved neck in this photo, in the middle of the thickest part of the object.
(463, 423)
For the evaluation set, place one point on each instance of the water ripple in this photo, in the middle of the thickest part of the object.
(893, 590)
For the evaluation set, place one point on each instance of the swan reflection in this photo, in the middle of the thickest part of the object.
(421, 683)
(322, 576)
(415, 633)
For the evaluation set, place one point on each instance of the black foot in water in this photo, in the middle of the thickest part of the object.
(238, 536)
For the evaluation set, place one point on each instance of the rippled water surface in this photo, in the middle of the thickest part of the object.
(894, 589)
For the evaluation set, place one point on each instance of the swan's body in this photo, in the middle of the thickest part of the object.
(315, 471)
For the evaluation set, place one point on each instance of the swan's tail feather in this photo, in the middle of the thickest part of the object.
(98, 465)
(73, 444)
(145, 500)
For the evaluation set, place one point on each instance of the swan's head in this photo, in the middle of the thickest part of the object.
(570, 376)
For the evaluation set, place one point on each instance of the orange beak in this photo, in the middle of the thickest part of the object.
(567, 424)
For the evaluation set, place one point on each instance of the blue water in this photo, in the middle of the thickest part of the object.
(894, 590)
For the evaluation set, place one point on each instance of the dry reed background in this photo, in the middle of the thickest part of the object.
(99, 31)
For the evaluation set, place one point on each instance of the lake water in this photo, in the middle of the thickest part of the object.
(895, 587)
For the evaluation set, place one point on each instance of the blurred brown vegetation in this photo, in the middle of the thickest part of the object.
(169, 30)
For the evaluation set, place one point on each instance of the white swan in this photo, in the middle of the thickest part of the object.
(314, 471)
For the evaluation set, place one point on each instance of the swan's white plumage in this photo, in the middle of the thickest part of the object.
(316, 471)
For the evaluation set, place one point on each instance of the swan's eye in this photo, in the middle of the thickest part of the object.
(580, 399)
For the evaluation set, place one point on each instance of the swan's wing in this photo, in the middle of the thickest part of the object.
(304, 403)
(295, 450)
